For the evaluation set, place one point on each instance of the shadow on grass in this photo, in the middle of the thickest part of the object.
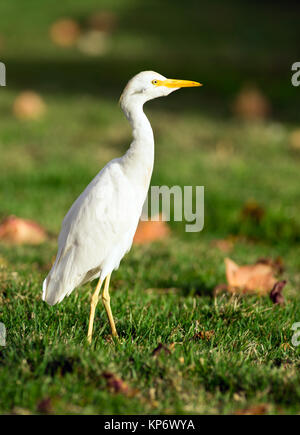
(191, 287)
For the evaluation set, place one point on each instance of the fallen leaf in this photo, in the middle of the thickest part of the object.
(276, 293)
(254, 410)
(277, 264)
(168, 290)
(256, 278)
(220, 288)
(252, 211)
(204, 335)
(94, 43)
(44, 406)
(105, 21)
(116, 385)
(19, 231)
(294, 139)
(224, 245)
(161, 347)
(29, 105)
(251, 105)
(149, 231)
(65, 32)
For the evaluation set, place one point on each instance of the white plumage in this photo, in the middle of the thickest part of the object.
(96, 232)
(99, 228)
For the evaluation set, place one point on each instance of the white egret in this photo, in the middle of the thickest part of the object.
(99, 228)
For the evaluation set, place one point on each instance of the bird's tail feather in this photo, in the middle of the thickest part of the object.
(60, 281)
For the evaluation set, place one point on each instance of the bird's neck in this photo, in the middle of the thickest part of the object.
(141, 151)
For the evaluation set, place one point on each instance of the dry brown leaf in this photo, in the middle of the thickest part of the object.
(251, 104)
(19, 231)
(65, 32)
(94, 43)
(294, 139)
(254, 410)
(276, 293)
(204, 335)
(105, 21)
(29, 105)
(220, 288)
(45, 406)
(225, 245)
(277, 264)
(149, 231)
(256, 278)
(253, 211)
(162, 291)
(116, 385)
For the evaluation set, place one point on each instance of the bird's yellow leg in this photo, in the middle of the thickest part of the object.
(94, 303)
(106, 302)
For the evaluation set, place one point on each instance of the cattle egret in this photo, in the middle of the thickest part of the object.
(99, 228)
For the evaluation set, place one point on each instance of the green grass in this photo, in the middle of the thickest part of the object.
(163, 292)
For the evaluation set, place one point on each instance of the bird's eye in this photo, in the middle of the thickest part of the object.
(154, 82)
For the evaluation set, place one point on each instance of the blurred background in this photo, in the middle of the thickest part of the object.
(239, 136)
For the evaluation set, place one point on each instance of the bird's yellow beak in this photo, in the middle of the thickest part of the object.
(174, 83)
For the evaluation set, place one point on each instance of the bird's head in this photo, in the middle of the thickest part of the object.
(148, 85)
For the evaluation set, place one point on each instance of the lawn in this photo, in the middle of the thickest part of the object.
(182, 349)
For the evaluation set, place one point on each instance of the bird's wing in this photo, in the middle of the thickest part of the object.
(104, 212)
